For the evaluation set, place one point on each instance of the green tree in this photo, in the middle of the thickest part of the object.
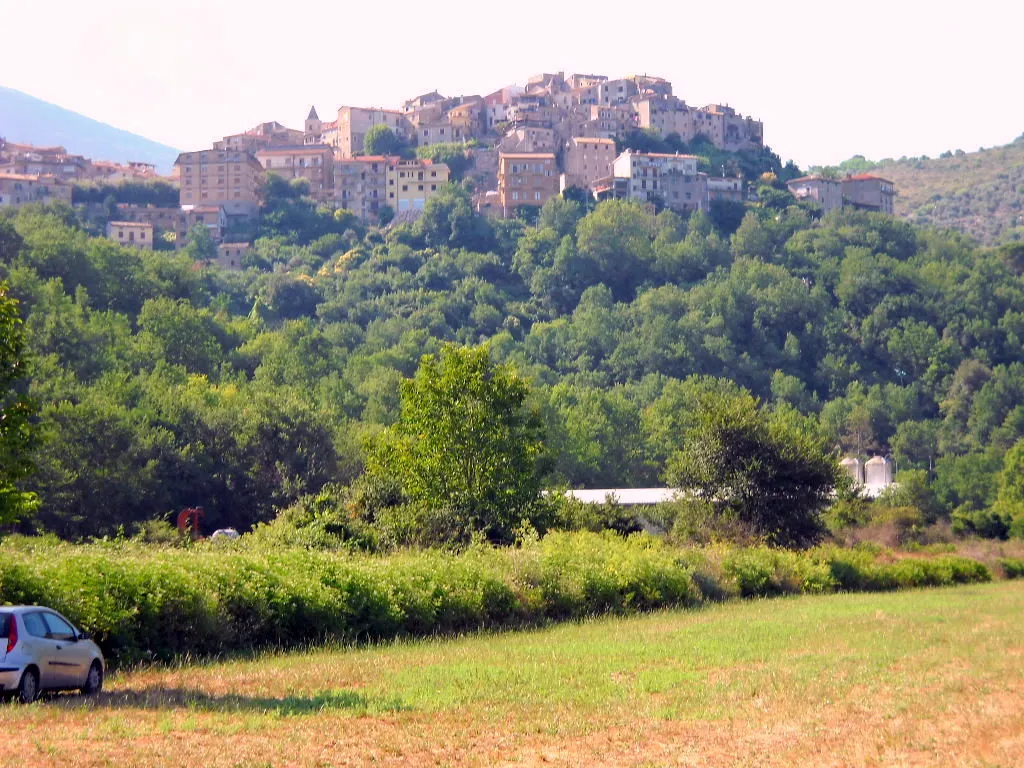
(768, 471)
(17, 411)
(381, 140)
(466, 446)
(201, 246)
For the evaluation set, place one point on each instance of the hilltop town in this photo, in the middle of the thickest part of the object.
(517, 146)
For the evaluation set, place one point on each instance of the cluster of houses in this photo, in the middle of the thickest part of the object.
(526, 143)
(30, 174)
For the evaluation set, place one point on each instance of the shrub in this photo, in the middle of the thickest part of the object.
(145, 603)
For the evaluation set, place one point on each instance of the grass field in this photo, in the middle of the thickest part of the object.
(916, 678)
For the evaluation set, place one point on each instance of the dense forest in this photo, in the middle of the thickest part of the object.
(161, 383)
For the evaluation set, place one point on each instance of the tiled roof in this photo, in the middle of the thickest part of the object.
(294, 148)
(866, 177)
(529, 155)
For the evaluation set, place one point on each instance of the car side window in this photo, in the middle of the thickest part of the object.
(59, 629)
(34, 624)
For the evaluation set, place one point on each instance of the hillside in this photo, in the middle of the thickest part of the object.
(24, 118)
(162, 386)
(980, 193)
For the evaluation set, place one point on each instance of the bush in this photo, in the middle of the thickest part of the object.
(148, 603)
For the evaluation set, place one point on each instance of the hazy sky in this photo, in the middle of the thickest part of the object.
(829, 80)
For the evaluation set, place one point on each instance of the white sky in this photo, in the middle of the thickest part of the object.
(883, 78)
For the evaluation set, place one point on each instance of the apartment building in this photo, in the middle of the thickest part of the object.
(410, 183)
(587, 160)
(226, 178)
(313, 162)
(136, 234)
(360, 185)
(526, 178)
(17, 189)
(354, 122)
(828, 193)
(725, 188)
(672, 180)
(869, 192)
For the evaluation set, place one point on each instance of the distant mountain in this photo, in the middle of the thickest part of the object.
(29, 120)
(980, 193)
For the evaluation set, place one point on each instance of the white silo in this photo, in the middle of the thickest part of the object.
(854, 468)
(878, 472)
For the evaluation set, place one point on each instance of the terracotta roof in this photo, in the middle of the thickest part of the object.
(364, 159)
(659, 154)
(130, 224)
(295, 149)
(19, 176)
(866, 177)
(811, 178)
(531, 155)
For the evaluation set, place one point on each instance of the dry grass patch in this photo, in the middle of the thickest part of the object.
(929, 678)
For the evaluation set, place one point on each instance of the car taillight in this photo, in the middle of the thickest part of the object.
(12, 635)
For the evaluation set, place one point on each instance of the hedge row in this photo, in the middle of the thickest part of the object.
(146, 603)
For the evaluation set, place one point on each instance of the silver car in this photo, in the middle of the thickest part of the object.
(40, 650)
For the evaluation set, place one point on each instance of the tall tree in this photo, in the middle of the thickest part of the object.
(466, 446)
(769, 471)
(17, 431)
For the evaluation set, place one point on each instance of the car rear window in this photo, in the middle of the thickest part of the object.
(5, 624)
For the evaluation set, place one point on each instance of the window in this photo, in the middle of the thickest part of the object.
(420, 188)
(405, 187)
(34, 624)
(433, 187)
(58, 628)
(536, 195)
(515, 195)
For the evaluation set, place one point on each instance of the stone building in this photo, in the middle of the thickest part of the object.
(226, 178)
(526, 178)
(672, 180)
(828, 193)
(587, 160)
(725, 188)
(17, 189)
(313, 162)
(869, 192)
(136, 234)
(360, 185)
(354, 122)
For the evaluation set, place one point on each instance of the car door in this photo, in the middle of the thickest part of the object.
(41, 648)
(70, 658)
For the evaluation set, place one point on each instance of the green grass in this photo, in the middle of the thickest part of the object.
(929, 675)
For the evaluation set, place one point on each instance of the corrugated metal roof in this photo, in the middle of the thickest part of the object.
(627, 497)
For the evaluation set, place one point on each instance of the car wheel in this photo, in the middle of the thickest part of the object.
(94, 681)
(28, 688)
